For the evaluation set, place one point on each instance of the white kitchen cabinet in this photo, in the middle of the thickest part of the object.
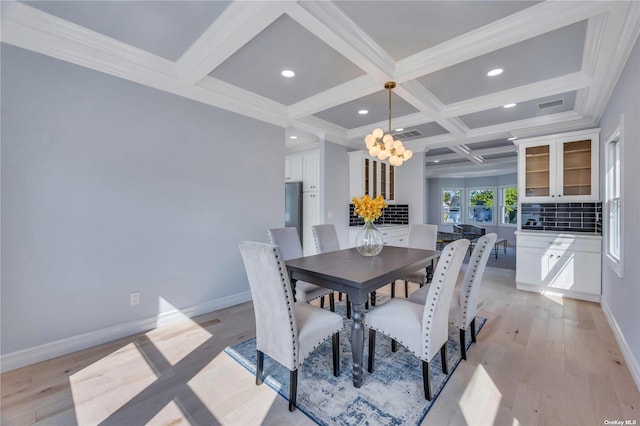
(310, 217)
(559, 168)
(569, 264)
(370, 176)
(293, 168)
(311, 171)
(305, 167)
(392, 235)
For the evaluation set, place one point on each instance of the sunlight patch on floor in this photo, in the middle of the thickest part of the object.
(178, 338)
(171, 414)
(226, 386)
(481, 399)
(554, 296)
(103, 387)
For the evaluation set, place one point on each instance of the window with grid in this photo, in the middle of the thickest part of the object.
(481, 205)
(509, 205)
(451, 211)
(613, 203)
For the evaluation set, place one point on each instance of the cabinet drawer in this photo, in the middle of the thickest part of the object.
(398, 241)
(561, 242)
(393, 232)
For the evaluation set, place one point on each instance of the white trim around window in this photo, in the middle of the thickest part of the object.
(613, 206)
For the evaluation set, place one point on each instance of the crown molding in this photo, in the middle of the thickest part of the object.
(29, 28)
(553, 128)
(622, 29)
(331, 132)
(231, 97)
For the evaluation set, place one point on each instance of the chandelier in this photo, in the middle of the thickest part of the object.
(384, 146)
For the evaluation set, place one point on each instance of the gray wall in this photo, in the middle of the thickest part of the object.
(620, 296)
(436, 185)
(109, 187)
(335, 165)
(410, 187)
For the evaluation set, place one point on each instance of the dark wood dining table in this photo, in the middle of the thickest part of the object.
(347, 271)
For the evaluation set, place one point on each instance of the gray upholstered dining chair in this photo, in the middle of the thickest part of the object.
(289, 242)
(422, 236)
(421, 329)
(464, 303)
(286, 331)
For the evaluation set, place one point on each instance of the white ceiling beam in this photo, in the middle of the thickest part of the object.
(327, 22)
(530, 22)
(566, 83)
(485, 151)
(236, 26)
(331, 131)
(489, 168)
(404, 121)
(354, 89)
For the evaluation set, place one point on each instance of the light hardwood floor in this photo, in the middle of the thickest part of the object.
(538, 361)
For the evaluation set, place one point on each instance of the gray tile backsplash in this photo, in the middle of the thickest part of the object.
(562, 217)
(393, 214)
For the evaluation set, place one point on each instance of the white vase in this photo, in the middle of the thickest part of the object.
(369, 240)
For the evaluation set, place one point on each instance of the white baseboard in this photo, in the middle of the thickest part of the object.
(632, 362)
(58, 348)
(566, 293)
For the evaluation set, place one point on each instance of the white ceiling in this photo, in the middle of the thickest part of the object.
(230, 55)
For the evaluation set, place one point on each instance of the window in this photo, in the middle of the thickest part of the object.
(613, 203)
(509, 205)
(451, 207)
(481, 205)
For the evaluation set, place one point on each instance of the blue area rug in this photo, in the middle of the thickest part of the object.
(392, 395)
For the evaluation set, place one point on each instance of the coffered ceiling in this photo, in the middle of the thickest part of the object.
(560, 62)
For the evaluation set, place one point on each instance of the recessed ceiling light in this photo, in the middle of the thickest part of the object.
(363, 112)
(288, 73)
(495, 72)
(399, 129)
(436, 161)
(293, 137)
(512, 138)
(509, 105)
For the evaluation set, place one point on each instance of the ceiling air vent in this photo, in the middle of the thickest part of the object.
(407, 135)
(551, 104)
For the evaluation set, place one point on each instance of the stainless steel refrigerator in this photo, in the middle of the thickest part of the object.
(293, 206)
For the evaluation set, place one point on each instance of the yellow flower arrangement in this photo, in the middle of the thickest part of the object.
(367, 208)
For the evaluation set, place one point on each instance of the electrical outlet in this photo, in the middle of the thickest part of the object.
(134, 299)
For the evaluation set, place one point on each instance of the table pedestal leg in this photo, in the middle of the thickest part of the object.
(357, 342)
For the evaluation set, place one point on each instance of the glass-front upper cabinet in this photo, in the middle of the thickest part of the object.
(537, 174)
(370, 176)
(559, 168)
(576, 168)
